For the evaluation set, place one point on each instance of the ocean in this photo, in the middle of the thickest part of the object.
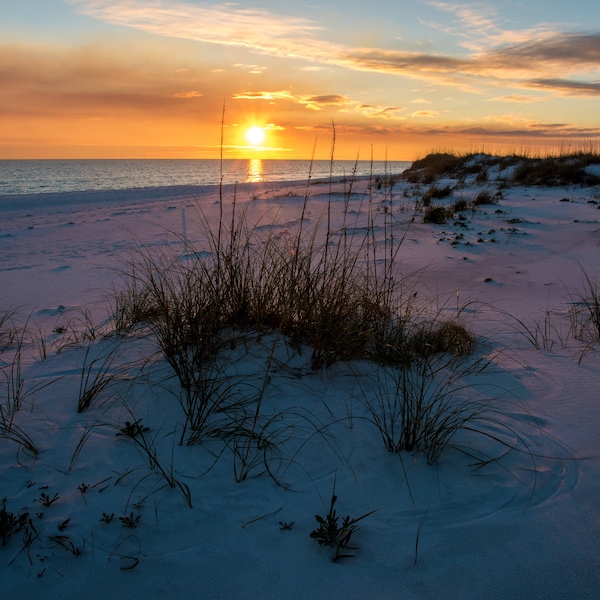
(50, 176)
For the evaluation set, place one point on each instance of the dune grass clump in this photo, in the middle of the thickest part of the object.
(436, 192)
(12, 523)
(15, 390)
(437, 214)
(422, 407)
(486, 196)
(427, 170)
(419, 336)
(557, 171)
(585, 310)
(242, 284)
(461, 205)
(335, 299)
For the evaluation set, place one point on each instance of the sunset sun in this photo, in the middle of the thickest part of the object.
(255, 135)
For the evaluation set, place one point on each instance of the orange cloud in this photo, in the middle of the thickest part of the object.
(315, 102)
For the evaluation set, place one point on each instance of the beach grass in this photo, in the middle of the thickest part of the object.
(324, 296)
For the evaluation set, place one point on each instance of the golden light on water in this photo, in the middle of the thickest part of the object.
(255, 172)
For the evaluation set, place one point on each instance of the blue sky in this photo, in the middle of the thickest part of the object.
(150, 78)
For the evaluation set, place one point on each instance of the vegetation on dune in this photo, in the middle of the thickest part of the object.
(564, 169)
(329, 295)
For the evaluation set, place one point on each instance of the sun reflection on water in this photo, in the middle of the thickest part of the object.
(255, 172)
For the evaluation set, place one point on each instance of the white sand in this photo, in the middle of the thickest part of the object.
(525, 526)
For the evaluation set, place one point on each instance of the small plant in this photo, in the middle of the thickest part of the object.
(65, 542)
(131, 521)
(46, 500)
(331, 533)
(283, 525)
(106, 518)
(132, 428)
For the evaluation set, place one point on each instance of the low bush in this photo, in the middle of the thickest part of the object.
(433, 166)
(487, 196)
(436, 192)
(436, 214)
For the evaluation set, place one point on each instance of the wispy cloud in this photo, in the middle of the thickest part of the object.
(567, 86)
(579, 50)
(319, 102)
(228, 24)
(560, 61)
(473, 21)
(316, 102)
(574, 57)
(526, 130)
(387, 112)
(425, 114)
(187, 95)
(518, 98)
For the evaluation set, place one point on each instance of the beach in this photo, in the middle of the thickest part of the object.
(122, 499)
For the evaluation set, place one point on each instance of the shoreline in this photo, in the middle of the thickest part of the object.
(141, 194)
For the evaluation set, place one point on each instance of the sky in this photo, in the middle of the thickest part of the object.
(385, 80)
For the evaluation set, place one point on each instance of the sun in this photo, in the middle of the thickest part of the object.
(255, 135)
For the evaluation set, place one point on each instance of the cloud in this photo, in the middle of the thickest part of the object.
(569, 87)
(388, 112)
(518, 98)
(186, 95)
(425, 113)
(472, 20)
(319, 102)
(273, 127)
(530, 130)
(563, 49)
(228, 24)
(316, 102)
(92, 81)
(520, 58)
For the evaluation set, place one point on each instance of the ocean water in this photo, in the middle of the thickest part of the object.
(47, 176)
